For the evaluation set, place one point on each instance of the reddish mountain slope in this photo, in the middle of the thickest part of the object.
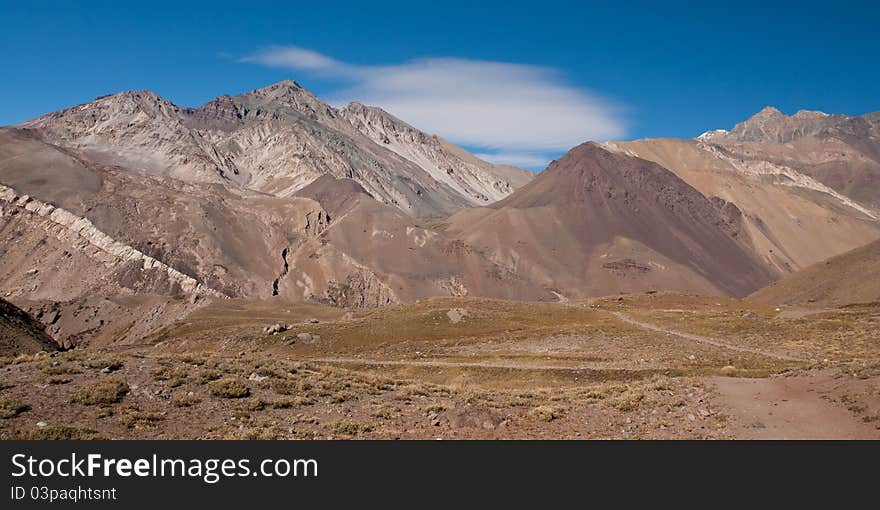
(597, 222)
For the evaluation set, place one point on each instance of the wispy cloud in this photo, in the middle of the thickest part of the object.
(520, 159)
(510, 112)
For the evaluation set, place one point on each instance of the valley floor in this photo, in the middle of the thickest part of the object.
(657, 366)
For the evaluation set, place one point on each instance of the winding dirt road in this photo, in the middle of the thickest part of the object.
(802, 407)
(702, 339)
(456, 364)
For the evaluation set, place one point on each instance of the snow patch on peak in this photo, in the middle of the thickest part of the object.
(810, 113)
(712, 134)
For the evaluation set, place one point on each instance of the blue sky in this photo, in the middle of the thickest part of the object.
(516, 81)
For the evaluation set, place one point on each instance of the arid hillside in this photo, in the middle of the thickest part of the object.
(598, 222)
(639, 366)
(850, 278)
(20, 333)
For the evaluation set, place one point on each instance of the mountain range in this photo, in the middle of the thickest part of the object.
(132, 203)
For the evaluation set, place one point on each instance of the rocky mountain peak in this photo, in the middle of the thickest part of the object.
(286, 91)
(772, 126)
(109, 108)
(277, 139)
(373, 118)
(768, 112)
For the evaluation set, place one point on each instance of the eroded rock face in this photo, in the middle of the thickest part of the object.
(277, 140)
(840, 152)
(83, 236)
(480, 182)
(362, 289)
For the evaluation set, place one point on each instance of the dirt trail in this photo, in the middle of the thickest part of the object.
(702, 339)
(788, 408)
(798, 313)
(465, 364)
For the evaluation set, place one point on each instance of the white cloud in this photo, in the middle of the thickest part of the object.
(520, 159)
(291, 57)
(510, 111)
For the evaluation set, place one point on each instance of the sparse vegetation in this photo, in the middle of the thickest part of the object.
(207, 376)
(630, 383)
(107, 365)
(181, 399)
(172, 376)
(254, 404)
(61, 369)
(546, 413)
(12, 407)
(58, 433)
(138, 419)
(228, 387)
(107, 391)
(349, 427)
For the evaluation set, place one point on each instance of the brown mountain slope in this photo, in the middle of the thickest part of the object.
(792, 220)
(118, 231)
(853, 277)
(597, 222)
(87, 240)
(20, 333)
(372, 254)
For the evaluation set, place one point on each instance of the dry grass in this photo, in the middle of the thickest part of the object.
(58, 433)
(61, 369)
(349, 428)
(133, 418)
(546, 413)
(181, 399)
(107, 391)
(228, 387)
(12, 407)
(525, 370)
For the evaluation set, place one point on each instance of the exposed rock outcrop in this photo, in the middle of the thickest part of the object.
(81, 234)
(480, 182)
(276, 140)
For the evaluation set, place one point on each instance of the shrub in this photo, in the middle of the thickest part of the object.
(185, 400)
(288, 387)
(207, 376)
(349, 427)
(228, 388)
(546, 413)
(12, 407)
(254, 404)
(174, 377)
(139, 419)
(58, 433)
(104, 392)
(110, 365)
(61, 370)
